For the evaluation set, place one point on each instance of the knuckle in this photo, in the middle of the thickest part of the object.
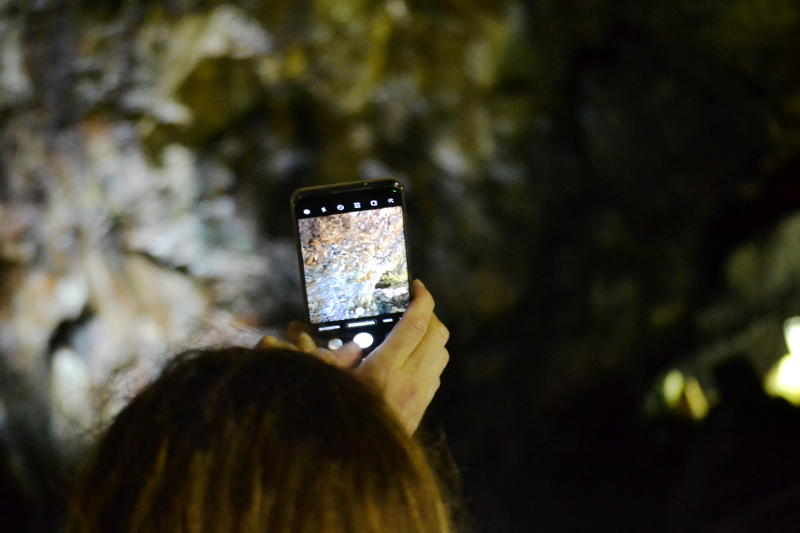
(444, 333)
(441, 364)
(417, 324)
(410, 393)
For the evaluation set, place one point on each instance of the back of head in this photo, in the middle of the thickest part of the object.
(242, 440)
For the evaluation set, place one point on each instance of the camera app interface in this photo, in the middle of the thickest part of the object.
(354, 259)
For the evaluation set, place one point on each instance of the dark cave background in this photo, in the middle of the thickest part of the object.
(599, 193)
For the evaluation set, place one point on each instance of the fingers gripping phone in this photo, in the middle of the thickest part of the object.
(351, 246)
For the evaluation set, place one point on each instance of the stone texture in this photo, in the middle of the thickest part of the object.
(598, 192)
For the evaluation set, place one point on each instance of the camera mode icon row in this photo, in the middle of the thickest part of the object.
(356, 205)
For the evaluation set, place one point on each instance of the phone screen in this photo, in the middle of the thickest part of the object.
(354, 263)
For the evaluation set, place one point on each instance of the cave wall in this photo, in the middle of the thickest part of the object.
(599, 191)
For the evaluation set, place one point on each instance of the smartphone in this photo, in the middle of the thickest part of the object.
(353, 255)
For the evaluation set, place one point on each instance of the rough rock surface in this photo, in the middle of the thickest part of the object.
(354, 264)
(598, 193)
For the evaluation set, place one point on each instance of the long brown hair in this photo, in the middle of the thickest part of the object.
(247, 440)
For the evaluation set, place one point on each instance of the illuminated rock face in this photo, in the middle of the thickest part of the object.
(149, 151)
(596, 190)
(354, 264)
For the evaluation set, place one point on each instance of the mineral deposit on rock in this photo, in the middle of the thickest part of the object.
(354, 264)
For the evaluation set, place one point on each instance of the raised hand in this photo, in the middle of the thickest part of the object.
(405, 368)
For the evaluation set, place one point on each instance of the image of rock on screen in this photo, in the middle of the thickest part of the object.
(354, 264)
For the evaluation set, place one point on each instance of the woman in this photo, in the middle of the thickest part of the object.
(275, 439)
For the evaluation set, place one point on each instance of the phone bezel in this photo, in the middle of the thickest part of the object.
(330, 190)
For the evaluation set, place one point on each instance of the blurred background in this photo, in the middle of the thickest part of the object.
(604, 196)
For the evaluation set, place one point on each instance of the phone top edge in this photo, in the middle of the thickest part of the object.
(348, 186)
(312, 194)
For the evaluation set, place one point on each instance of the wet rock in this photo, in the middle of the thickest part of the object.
(15, 84)
(195, 72)
(347, 273)
(577, 179)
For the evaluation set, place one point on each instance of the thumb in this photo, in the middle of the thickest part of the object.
(348, 355)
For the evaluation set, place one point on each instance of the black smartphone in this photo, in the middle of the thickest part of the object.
(351, 245)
